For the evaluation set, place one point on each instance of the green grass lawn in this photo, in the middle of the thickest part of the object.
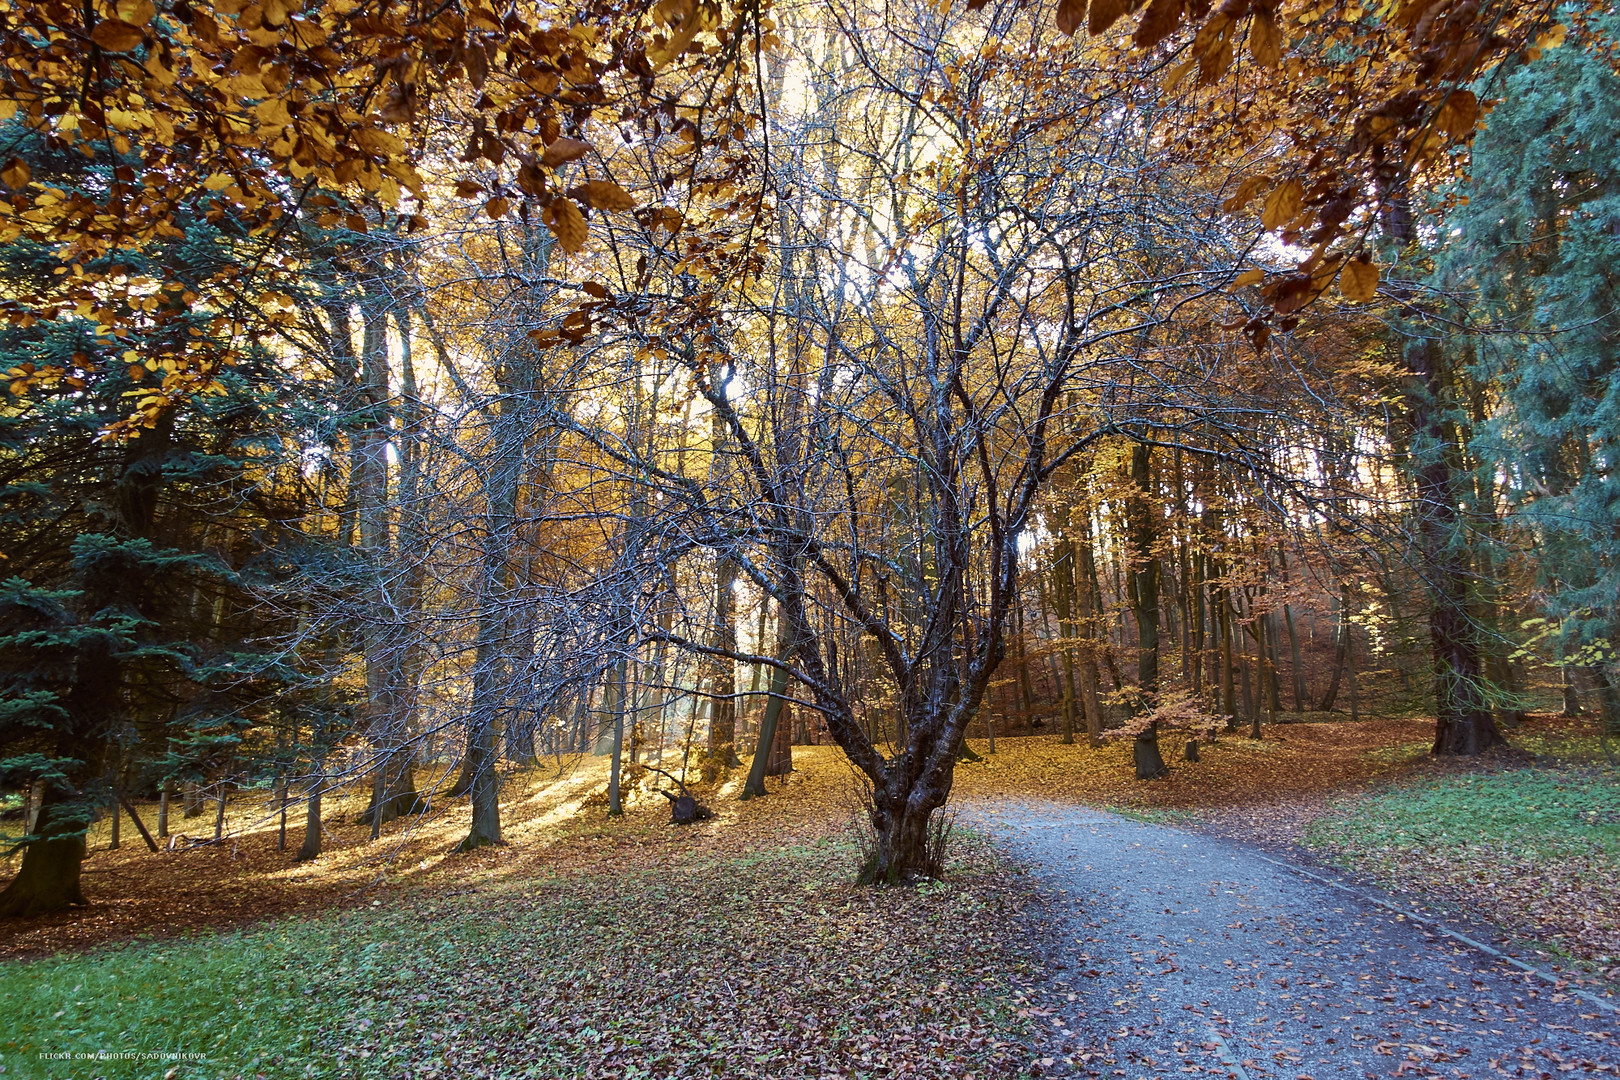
(1534, 849)
(767, 966)
(1534, 812)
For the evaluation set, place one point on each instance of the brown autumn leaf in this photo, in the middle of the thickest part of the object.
(1213, 48)
(1245, 193)
(1459, 113)
(1070, 14)
(15, 174)
(1159, 21)
(136, 12)
(604, 195)
(1266, 39)
(477, 62)
(1105, 13)
(276, 11)
(1283, 205)
(568, 224)
(1177, 74)
(1358, 281)
(562, 150)
(496, 208)
(115, 35)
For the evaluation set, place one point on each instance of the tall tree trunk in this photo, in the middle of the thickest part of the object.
(722, 671)
(616, 750)
(1273, 667)
(1062, 579)
(1341, 651)
(1572, 696)
(165, 797)
(1463, 722)
(1145, 594)
(1088, 606)
(1027, 694)
(382, 633)
(1297, 666)
(758, 770)
(311, 847)
(1223, 601)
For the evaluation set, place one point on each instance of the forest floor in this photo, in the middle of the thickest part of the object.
(554, 819)
(623, 942)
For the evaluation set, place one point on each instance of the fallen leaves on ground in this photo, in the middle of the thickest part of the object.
(690, 964)
(554, 817)
(1291, 763)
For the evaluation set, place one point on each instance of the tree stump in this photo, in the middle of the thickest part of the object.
(684, 810)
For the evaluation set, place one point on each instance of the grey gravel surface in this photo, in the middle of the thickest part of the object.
(1179, 953)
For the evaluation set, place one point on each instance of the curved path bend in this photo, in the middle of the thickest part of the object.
(1182, 954)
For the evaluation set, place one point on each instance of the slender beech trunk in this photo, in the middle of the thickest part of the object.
(1062, 579)
(165, 796)
(1341, 650)
(1025, 692)
(311, 847)
(757, 771)
(615, 764)
(1145, 592)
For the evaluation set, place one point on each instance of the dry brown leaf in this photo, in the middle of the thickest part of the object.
(276, 11)
(1246, 191)
(1266, 39)
(1283, 205)
(1459, 114)
(568, 224)
(136, 12)
(1070, 14)
(1358, 281)
(1105, 13)
(605, 195)
(1159, 21)
(563, 150)
(15, 174)
(115, 35)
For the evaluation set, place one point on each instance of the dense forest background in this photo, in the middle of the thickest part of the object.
(883, 375)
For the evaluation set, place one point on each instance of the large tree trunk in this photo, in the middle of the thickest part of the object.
(1062, 578)
(904, 846)
(1463, 721)
(311, 847)
(1088, 608)
(1341, 652)
(722, 669)
(760, 766)
(49, 878)
(393, 779)
(1144, 593)
(616, 749)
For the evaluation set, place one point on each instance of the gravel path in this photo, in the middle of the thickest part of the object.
(1179, 953)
